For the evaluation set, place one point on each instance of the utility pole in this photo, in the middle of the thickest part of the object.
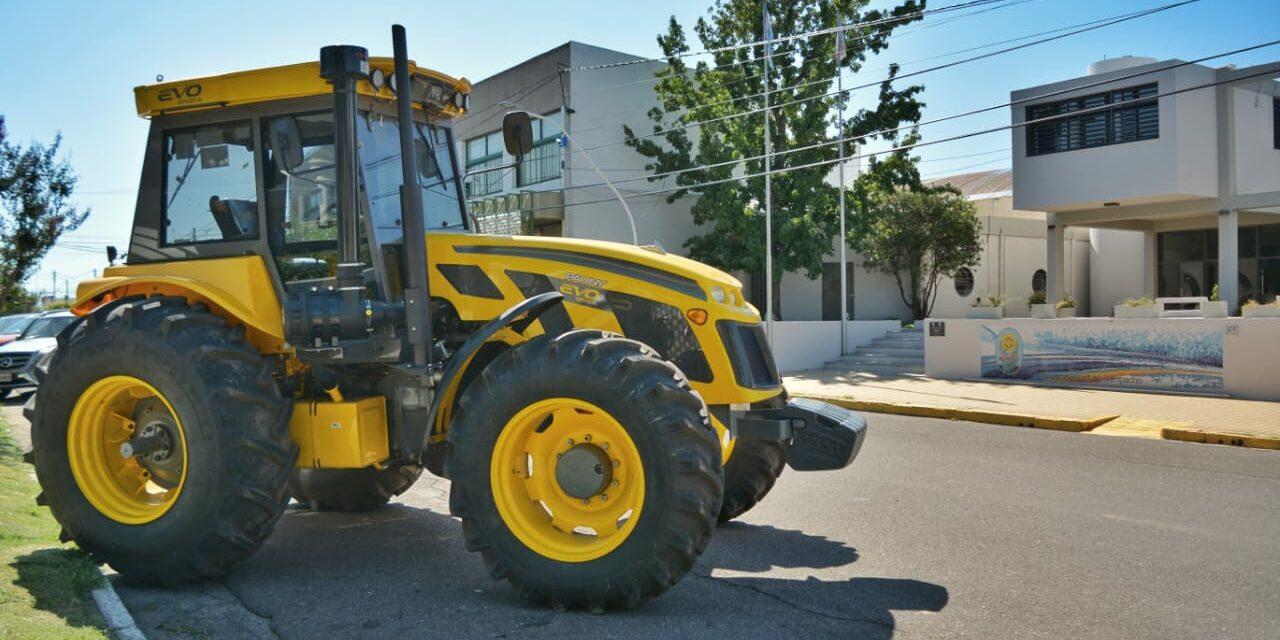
(768, 178)
(566, 173)
(844, 260)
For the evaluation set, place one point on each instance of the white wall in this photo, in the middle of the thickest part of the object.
(804, 345)
(1251, 347)
(1117, 268)
(1257, 159)
(1180, 164)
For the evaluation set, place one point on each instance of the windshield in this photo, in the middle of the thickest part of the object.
(380, 161)
(46, 327)
(14, 324)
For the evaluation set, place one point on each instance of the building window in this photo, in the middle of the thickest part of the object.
(543, 162)
(1275, 122)
(484, 152)
(1188, 263)
(831, 290)
(964, 282)
(1039, 281)
(1138, 119)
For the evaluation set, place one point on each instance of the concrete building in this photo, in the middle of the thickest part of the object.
(1180, 192)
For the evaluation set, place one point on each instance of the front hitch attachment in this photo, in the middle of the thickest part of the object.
(818, 436)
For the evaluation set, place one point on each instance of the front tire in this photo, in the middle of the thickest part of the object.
(211, 494)
(585, 471)
(749, 474)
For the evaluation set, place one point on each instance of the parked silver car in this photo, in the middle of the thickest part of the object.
(18, 359)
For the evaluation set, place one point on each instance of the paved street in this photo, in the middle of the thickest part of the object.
(940, 529)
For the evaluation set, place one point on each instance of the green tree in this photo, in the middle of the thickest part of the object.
(35, 210)
(805, 209)
(918, 237)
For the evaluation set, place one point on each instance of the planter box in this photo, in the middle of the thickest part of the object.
(1067, 312)
(984, 313)
(1214, 309)
(1145, 311)
(1261, 311)
(1042, 311)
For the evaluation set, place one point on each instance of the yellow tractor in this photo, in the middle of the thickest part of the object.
(305, 311)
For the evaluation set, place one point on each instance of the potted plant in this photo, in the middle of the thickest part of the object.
(1215, 307)
(1255, 309)
(1066, 307)
(1039, 308)
(1137, 308)
(988, 307)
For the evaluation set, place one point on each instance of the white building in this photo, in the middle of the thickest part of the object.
(1179, 192)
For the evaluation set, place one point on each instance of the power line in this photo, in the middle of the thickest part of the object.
(891, 78)
(955, 116)
(971, 134)
(798, 36)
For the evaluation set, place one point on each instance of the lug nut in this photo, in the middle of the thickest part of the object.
(586, 438)
(613, 483)
(616, 462)
(571, 442)
(586, 501)
(604, 497)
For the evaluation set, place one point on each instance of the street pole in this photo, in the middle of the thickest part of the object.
(844, 268)
(768, 179)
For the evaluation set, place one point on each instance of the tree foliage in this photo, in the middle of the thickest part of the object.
(805, 209)
(35, 210)
(918, 237)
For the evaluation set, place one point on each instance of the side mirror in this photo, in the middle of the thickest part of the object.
(517, 134)
(111, 255)
(285, 142)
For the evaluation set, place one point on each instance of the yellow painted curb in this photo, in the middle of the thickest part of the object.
(1219, 437)
(973, 415)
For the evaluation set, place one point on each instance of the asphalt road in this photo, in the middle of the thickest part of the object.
(939, 530)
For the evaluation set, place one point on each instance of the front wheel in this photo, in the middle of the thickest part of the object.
(585, 471)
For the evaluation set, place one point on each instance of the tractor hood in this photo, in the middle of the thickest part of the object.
(648, 257)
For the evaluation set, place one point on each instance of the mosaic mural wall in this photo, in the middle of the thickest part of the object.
(1164, 356)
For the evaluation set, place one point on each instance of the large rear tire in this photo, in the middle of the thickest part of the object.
(749, 475)
(351, 490)
(211, 494)
(585, 471)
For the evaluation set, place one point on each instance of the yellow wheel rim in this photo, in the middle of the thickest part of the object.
(116, 411)
(567, 479)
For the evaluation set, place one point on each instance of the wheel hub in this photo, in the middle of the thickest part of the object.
(155, 445)
(583, 471)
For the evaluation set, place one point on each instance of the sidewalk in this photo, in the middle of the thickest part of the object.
(1173, 417)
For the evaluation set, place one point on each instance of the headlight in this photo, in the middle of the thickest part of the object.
(718, 294)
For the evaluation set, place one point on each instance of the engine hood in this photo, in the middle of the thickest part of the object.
(30, 345)
(650, 257)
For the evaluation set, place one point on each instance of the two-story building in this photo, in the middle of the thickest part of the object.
(1179, 185)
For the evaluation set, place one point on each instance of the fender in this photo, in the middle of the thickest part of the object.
(238, 289)
(517, 318)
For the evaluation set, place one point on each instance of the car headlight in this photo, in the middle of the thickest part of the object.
(718, 293)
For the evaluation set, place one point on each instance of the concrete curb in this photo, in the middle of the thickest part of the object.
(1173, 431)
(1219, 437)
(1055, 423)
(120, 623)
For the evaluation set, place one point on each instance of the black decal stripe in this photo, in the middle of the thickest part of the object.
(555, 320)
(678, 283)
(470, 280)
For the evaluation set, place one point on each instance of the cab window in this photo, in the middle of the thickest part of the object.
(210, 187)
(301, 192)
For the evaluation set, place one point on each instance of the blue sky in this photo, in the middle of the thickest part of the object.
(71, 66)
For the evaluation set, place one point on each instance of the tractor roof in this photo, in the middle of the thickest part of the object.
(290, 81)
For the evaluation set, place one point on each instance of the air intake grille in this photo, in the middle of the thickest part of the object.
(749, 353)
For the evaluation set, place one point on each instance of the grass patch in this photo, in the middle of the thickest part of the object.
(44, 586)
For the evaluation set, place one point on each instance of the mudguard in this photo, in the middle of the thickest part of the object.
(518, 318)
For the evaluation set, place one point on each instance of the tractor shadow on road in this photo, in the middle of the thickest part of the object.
(368, 575)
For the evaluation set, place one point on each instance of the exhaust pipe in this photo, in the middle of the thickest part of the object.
(417, 293)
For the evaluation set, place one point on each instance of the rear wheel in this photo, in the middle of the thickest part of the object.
(351, 489)
(585, 471)
(161, 441)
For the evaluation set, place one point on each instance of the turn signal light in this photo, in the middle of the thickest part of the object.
(697, 316)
